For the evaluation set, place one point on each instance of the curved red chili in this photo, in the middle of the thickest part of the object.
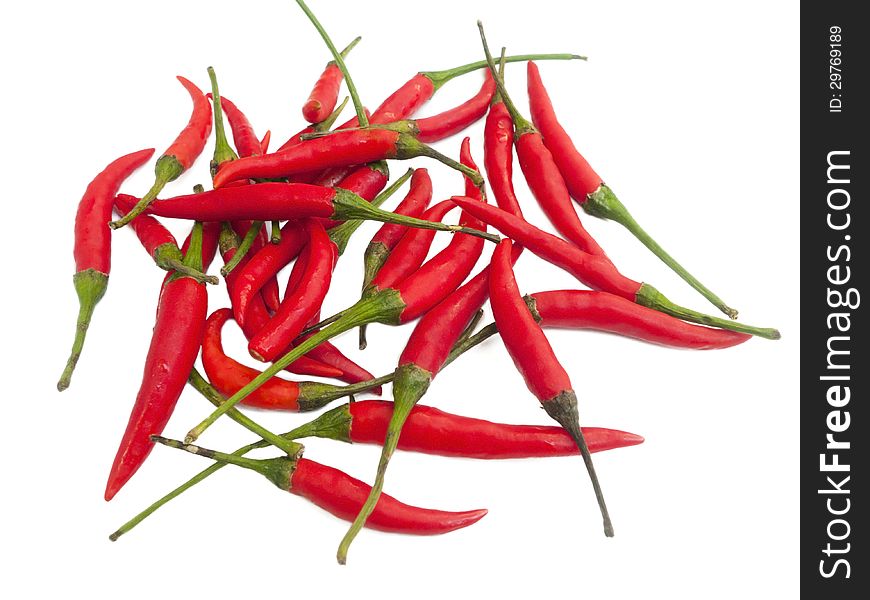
(92, 248)
(535, 360)
(264, 143)
(174, 346)
(324, 95)
(229, 376)
(596, 271)
(587, 188)
(382, 243)
(244, 139)
(299, 306)
(257, 315)
(180, 154)
(340, 494)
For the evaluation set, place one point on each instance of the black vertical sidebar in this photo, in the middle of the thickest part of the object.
(835, 227)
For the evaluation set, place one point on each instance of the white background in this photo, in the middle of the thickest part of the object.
(689, 110)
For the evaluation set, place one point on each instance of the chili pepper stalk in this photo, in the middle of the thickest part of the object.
(223, 152)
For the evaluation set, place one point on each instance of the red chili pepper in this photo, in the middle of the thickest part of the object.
(595, 271)
(432, 431)
(587, 188)
(415, 202)
(257, 315)
(323, 97)
(174, 346)
(93, 247)
(264, 143)
(269, 289)
(244, 139)
(341, 494)
(325, 125)
(299, 306)
(583, 309)
(408, 99)
(180, 154)
(340, 149)
(229, 376)
(542, 174)
(450, 122)
(159, 242)
(498, 153)
(535, 360)
(412, 379)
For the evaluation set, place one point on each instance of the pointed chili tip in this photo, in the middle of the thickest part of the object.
(113, 486)
(630, 439)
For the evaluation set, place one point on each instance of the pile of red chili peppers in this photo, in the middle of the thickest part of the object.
(299, 205)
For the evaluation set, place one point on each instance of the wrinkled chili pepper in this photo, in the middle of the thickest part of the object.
(340, 494)
(415, 371)
(541, 173)
(93, 247)
(321, 102)
(229, 376)
(595, 271)
(180, 154)
(427, 431)
(588, 189)
(159, 242)
(174, 346)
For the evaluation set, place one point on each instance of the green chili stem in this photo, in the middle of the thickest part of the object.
(439, 78)
(243, 248)
(521, 124)
(223, 152)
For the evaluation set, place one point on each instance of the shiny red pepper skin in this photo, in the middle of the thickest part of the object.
(191, 141)
(299, 306)
(498, 157)
(93, 244)
(297, 137)
(149, 231)
(337, 150)
(579, 175)
(411, 250)
(522, 336)
(454, 120)
(405, 101)
(342, 495)
(174, 346)
(244, 139)
(449, 267)
(262, 202)
(257, 316)
(595, 271)
(584, 309)
(432, 431)
(262, 266)
(548, 186)
(229, 376)
(321, 102)
(415, 202)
